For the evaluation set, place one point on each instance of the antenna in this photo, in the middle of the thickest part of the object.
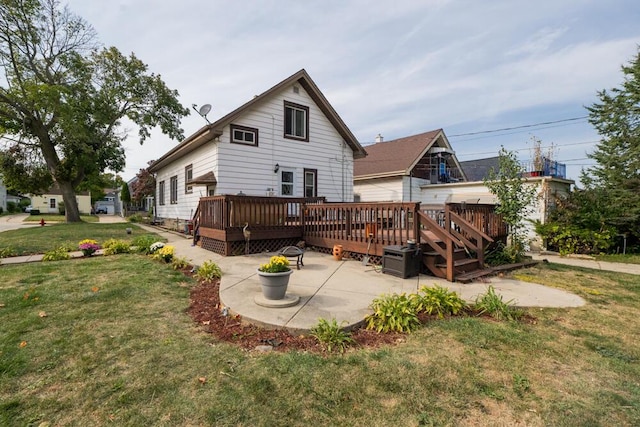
(202, 111)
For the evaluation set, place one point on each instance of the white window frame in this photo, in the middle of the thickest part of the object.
(284, 172)
(313, 185)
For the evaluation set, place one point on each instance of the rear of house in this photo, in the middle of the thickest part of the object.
(286, 142)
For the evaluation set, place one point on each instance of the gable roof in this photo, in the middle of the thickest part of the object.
(399, 156)
(214, 130)
(477, 170)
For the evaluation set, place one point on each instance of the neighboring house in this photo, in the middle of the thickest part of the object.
(51, 201)
(146, 204)
(423, 168)
(396, 170)
(287, 142)
(110, 204)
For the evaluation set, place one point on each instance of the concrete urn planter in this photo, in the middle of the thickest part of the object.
(274, 285)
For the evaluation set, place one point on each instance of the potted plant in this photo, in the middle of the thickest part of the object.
(274, 277)
(88, 247)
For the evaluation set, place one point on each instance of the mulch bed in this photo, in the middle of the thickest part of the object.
(206, 310)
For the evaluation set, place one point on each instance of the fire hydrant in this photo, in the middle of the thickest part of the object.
(42, 223)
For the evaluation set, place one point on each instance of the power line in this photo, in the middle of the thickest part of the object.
(553, 146)
(519, 127)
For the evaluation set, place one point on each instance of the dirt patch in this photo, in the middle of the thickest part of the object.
(205, 309)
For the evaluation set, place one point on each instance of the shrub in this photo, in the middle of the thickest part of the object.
(208, 271)
(57, 254)
(115, 246)
(571, 239)
(394, 313)
(331, 335)
(7, 252)
(12, 207)
(143, 243)
(491, 303)
(135, 218)
(501, 254)
(165, 253)
(179, 263)
(439, 300)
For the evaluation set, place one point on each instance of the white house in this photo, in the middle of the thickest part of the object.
(286, 142)
(423, 168)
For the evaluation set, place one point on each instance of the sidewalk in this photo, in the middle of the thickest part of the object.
(588, 263)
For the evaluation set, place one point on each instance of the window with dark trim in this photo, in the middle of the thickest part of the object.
(173, 191)
(310, 183)
(244, 135)
(52, 203)
(296, 121)
(188, 176)
(286, 182)
(161, 193)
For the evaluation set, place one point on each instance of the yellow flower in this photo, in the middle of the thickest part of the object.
(277, 264)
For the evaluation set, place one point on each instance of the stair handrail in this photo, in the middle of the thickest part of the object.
(443, 235)
(195, 221)
(467, 227)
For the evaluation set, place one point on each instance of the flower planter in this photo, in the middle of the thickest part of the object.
(274, 285)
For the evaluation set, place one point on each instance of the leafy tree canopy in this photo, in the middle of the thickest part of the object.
(616, 173)
(62, 99)
(144, 185)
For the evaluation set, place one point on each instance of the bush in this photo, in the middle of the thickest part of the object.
(438, 300)
(208, 271)
(570, 239)
(491, 303)
(7, 252)
(57, 254)
(331, 335)
(179, 263)
(501, 254)
(135, 218)
(143, 243)
(115, 246)
(12, 207)
(394, 313)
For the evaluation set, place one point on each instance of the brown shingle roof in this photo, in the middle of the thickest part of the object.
(397, 155)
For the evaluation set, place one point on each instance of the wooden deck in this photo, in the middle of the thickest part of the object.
(236, 225)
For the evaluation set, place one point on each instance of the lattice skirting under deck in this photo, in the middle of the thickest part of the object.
(243, 248)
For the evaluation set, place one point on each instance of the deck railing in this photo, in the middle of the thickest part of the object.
(482, 217)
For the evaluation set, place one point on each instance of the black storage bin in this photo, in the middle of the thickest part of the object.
(401, 261)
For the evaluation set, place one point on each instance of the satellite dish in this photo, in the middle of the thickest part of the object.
(204, 110)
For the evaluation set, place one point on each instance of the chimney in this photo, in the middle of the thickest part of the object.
(379, 138)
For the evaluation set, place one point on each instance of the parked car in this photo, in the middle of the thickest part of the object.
(28, 209)
(101, 211)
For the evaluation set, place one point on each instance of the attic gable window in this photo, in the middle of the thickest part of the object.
(296, 121)
(244, 135)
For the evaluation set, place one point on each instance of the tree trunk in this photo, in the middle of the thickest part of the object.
(71, 211)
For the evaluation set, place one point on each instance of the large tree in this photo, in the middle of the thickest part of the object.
(616, 173)
(144, 185)
(62, 100)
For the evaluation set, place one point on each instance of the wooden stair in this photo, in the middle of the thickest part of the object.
(447, 251)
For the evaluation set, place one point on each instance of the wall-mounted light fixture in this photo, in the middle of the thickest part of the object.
(276, 168)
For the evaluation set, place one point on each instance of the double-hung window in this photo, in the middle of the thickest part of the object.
(310, 183)
(161, 193)
(244, 135)
(188, 176)
(173, 195)
(296, 121)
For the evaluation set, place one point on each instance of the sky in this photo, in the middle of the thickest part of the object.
(391, 68)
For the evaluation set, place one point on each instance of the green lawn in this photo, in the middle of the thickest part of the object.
(106, 341)
(59, 218)
(34, 240)
(627, 258)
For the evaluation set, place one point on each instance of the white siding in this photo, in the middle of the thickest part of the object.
(379, 190)
(250, 169)
(204, 160)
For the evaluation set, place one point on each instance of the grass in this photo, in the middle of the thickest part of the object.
(34, 240)
(116, 347)
(58, 218)
(627, 258)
